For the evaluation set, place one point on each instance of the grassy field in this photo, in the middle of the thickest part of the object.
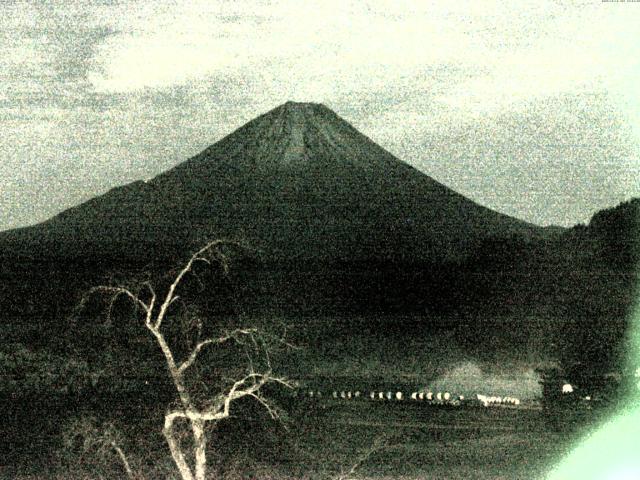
(412, 440)
(328, 438)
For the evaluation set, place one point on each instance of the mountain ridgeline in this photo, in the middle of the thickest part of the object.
(336, 223)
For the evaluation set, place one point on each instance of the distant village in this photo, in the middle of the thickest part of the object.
(419, 396)
(555, 393)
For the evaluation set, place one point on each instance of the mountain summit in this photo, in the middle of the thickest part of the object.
(296, 182)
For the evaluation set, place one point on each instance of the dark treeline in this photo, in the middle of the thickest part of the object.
(581, 281)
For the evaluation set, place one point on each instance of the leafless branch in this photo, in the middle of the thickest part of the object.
(194, 353)
(236, 392)
(376, 447)
(100, 438)
(192, 358)
(273, 412)
(198, 256)
(117, 292)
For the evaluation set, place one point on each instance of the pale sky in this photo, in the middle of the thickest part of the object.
(530, 108)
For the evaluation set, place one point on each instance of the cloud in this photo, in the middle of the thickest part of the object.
(332, 45)
(124, 89)
(354, 42)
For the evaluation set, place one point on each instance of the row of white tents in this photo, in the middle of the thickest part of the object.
(487, 400)
(417, 396)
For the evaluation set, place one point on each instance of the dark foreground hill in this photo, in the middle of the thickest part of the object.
(575, 292)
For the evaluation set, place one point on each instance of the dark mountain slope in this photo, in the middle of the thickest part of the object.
(297, 182)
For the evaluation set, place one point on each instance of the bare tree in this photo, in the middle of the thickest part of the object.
(155, 309)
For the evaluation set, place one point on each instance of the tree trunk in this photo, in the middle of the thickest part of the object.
(176, 453)
(200, 446)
